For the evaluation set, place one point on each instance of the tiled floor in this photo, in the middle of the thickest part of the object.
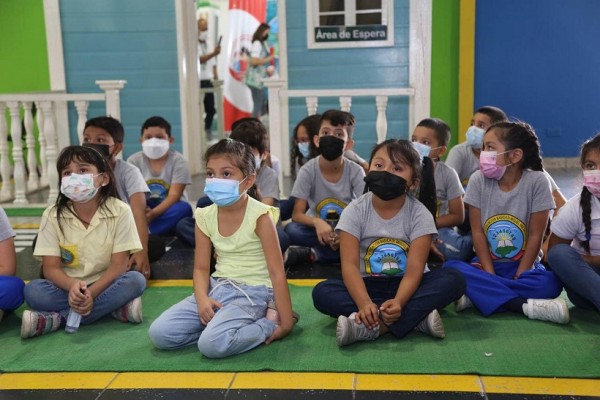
(177, 264)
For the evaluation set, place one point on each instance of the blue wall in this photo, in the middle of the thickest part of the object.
(539, 61)
(133, 40)
(380, 67)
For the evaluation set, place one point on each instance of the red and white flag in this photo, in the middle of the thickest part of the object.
(244, 18)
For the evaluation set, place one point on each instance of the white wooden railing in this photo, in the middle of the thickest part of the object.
(52, 123)
(279, 97)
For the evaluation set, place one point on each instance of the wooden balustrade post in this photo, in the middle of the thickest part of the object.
(39, 116)
(381, 123)
(33, 181)
(17, 152)
(6, 191)
(49, 131)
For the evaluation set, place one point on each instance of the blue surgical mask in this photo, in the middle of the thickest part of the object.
(304, 149)
(475, 137)
(422, 149)
(223, 192)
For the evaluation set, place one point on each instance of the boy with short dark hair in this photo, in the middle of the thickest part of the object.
(464, 158)
(325, 185)
(167, 174)
(106, 134)
(431, 137)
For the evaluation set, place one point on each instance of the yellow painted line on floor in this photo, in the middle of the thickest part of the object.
(25, 225)
(419, 383)
(297, 381)
(304, 282)
(172, 380)
(554, 386)
(293, 380)
(63, 380)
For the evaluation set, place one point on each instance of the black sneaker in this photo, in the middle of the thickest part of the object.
(298, 255)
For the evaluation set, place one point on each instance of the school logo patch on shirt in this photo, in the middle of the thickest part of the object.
(506, 236)
(69, 256)
(159, 190)
(329, 204)
(386, 257)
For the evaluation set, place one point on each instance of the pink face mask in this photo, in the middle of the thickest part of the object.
(591, 180)
(488, 166)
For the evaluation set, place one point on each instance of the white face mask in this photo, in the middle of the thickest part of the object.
(155, 148)
(79, 187)
(202, 36)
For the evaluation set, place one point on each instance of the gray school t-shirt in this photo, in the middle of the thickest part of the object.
(6, 231)
(175, 171)
(385, 243)
(447, 186)
(505, 215)
(463, 161)
(323, 195)
(267, 183)
(129, 180)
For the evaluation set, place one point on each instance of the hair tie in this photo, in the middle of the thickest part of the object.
(588, 236)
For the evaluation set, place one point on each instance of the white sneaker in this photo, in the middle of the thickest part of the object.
(130, 312)
(348, 331)
(462, 303)
(37, 323)
(432, 325)
(554, 310)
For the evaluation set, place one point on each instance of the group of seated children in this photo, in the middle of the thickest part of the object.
(383, 226)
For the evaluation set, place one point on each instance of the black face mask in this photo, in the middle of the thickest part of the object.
(331, 147)
(103, 149)
(385, 185)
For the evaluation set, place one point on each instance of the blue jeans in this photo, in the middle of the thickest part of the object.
(455, 246)
(259, 104)
(304, 235)
(43, 295)
(437, 289)
(11, 292)
(582, 281)
(240, 325)
(166, 222)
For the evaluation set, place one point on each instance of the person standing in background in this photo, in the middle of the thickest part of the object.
(208, 73)
(258, 69)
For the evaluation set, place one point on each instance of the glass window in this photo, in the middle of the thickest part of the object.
(368, 19)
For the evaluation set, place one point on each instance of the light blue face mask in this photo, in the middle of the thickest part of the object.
(223, 192)
(304, 149)
(475, 137)
(422, 149)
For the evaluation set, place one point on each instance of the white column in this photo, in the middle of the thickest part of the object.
(82, 108)
(312, 103)
(218, 85)
(113, 100)
(19, 169)
(381, 122)
(277, 138)
(49, 132)
(33, 182)
(345, 103)
(5, 192)
(39, 116)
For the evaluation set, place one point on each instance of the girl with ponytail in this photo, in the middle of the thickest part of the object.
(575, 239)
(385, 236)
(509, 201)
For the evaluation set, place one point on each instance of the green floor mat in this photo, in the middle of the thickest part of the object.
(504, 344)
